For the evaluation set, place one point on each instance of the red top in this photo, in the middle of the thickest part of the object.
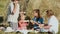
(22, 25)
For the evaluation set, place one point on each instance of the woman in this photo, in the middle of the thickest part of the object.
(38, 20)
(52, 22)
(13, 14)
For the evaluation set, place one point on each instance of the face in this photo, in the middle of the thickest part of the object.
(15, 1)
(48, 14)
(22, 17)
(21, 13)
(35, 14)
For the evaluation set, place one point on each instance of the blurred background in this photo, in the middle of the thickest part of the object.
(29, 5)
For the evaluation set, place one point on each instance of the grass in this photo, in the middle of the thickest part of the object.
(43, 7)
(1, 32)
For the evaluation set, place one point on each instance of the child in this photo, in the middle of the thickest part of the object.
(22, 24)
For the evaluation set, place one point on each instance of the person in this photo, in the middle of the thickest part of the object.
(24, 27)
(22, 23)
(38, 20)
(52, 22)
(13, 14)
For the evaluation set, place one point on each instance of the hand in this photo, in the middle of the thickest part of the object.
(12, 13)
(41, 25)
(47, 27)
(32, 22)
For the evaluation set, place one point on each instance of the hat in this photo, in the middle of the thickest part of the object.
(9, 29)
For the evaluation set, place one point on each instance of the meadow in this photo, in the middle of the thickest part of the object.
(29, 5)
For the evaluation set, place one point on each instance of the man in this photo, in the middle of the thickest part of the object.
(52, 22)
(13, 14)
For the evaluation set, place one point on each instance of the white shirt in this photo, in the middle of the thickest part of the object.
(54, 22)
(13, 18)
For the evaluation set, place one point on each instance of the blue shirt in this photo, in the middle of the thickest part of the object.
(39, 21)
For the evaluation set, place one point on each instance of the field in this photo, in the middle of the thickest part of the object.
(29, 5)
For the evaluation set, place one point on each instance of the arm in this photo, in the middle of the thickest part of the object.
(14, 9)
(47, 27)
(41, 21)
(33, 22)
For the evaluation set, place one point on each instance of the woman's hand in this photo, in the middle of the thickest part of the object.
(47, 27)
(41, 25)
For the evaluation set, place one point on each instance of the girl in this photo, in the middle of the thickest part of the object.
(22, 23)
(38, 20)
